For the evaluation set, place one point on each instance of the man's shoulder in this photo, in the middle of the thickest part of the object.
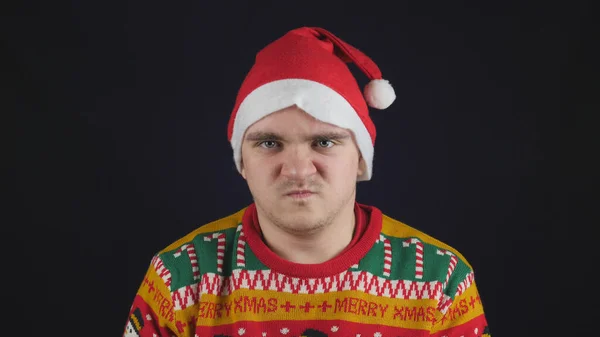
(397, 229)
(225, 223)
(181, 263)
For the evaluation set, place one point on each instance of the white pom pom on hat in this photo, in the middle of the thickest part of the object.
(307, 67)
(379, 94)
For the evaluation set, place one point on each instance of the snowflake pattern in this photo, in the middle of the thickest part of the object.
(285, 331)
(377, 334)
(241, 331)
(476, 330)
(334, 328)
(264, 334)
(148, 317)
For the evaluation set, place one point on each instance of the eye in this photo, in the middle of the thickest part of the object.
(325, 143)
(269, 144)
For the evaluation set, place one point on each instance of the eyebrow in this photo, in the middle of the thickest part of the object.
(262, 136)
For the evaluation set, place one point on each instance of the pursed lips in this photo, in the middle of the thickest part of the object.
(300, 193)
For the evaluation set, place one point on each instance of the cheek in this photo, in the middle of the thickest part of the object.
(258, 174)
(339, 169)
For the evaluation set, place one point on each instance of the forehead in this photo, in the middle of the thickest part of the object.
(293, 119)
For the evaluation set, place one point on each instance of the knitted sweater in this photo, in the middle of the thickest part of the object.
(223, 280)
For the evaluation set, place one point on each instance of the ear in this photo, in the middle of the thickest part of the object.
(242, 170)
(362, 166)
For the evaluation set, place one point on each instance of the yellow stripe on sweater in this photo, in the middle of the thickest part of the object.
(348, 305)
(463, 309)
(157, 296)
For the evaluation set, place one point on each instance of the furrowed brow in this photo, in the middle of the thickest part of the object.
(258, 136)
(262, 136)
(334, 135)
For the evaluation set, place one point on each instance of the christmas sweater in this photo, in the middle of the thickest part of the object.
(392, 280)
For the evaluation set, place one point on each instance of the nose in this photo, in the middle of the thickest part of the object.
(297, 163)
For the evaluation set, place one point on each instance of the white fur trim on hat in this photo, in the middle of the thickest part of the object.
(318, 100)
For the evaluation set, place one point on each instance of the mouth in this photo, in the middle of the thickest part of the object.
(300, 194)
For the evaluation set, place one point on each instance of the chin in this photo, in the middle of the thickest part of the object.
(295, 215)
(301, 217)
(301, 225)
(301, 208)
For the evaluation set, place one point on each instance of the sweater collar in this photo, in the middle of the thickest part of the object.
(366, 233)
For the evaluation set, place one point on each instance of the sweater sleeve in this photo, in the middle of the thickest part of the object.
(460, 310)
(152, 313)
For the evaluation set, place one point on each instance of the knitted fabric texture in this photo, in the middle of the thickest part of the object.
(222, 280)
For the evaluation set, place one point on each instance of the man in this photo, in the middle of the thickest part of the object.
(305, 258)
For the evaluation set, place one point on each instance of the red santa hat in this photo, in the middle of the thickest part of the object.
(307, 67)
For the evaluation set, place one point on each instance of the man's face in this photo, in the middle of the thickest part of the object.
(301, 172)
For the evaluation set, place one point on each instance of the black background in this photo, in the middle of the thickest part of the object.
(121, 146)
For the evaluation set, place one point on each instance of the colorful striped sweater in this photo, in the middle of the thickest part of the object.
(223, 280)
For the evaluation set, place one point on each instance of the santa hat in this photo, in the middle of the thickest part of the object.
(307, 67)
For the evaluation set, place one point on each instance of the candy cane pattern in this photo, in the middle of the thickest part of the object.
(451, 266)
(220, 248)
(446, 301)
(465, 284)
(241, 246)
(387, 255)
(193, 258)
(419, 253)
(161, 270)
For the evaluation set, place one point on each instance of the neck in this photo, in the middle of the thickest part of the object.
(310, 248)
